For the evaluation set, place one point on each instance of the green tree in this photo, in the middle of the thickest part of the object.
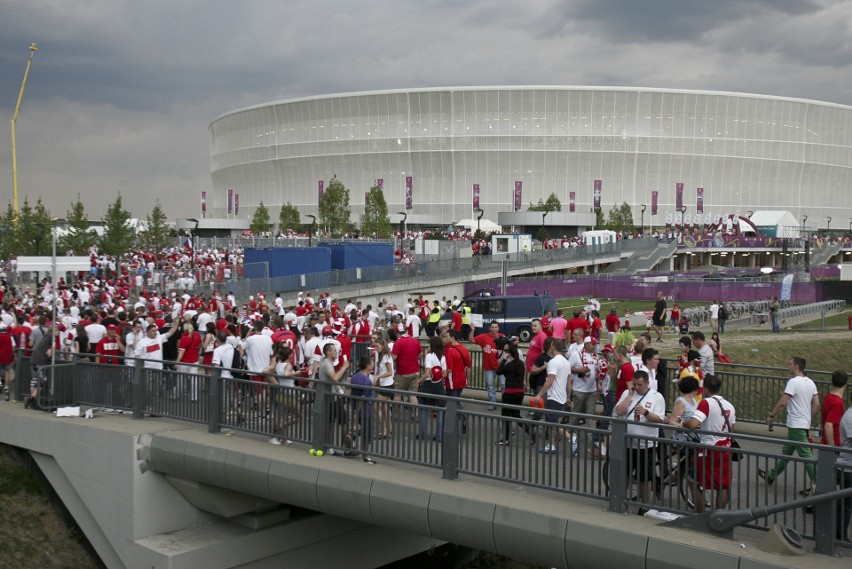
(289, 218)
(118, 236)
(552, 204)
(157, 235)
(375, 221)
(32, 236)
(620, 218)
(334, 212)
(7, 233)
(79, 236)
(261, 222)
(600, 222)
(542, 234)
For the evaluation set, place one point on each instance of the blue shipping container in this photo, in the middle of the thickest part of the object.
(286, 261)
(359, 254)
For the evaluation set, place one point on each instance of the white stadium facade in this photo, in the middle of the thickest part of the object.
(746, 151)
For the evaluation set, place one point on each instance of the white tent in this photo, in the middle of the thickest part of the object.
(776, 223)
(485, 225)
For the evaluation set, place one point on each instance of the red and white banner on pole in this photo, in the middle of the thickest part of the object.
(655, 196)
(203, 204)
(409, 192)
(699, 206)
(679, 196)
(230, 201)
(475, 197)
(572, 201)
(518, 190)
(597, 194)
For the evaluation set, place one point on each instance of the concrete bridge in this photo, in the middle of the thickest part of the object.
(164, 493)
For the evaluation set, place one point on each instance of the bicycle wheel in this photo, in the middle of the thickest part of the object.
(736, 312)
(684, 473)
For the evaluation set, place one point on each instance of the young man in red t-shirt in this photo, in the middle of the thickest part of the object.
(486, 341)
(536, 343)
(831, 411)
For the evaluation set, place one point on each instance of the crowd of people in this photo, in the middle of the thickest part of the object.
(566, 365)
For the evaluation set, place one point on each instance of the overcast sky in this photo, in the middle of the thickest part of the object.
(121, 94)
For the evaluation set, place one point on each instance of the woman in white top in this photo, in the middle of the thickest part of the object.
(285, 403)
(432, 383)
(383, 378)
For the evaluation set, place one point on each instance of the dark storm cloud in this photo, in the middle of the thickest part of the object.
(627, 21)
(121, 93)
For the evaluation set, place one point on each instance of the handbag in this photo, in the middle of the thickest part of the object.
(735, 445)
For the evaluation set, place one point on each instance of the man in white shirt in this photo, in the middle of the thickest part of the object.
(802, 402)
(95, 331)
(650, 363)
(223, 355)
(130, 340)
(713, 467)
(556, 391)
(642, 407)
(714, 316)
(150, 348)
(584, 370)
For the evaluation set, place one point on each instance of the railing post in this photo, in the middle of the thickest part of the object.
(320, 414)
(825, 512)
(19, 364)
(617, 457)
(450, 437)
(138, 395)
(214, 401)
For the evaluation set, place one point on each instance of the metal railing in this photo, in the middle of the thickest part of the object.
(420, 273)
(452, 435)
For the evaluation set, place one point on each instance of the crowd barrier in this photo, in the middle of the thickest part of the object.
(457, 437)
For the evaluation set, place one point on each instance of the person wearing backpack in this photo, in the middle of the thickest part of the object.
(723, 317)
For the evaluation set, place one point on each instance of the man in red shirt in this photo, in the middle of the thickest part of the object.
(406, 358)
(458, 363)
(577, 323)
(486, 341)
(457, 319)
(545, 323)
(613, 324)
(832, 409)
(536, 343)
(110, 346)
(7, 359)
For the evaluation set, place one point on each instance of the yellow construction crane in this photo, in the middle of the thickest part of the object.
(33, 49)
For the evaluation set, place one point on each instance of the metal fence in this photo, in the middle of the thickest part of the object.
(457, 437)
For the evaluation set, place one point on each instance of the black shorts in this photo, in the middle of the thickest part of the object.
(337, 412)
(641, 465)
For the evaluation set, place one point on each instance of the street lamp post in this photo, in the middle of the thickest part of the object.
(828, 226)
(642, 218)
(683, 217)
(311, 229)
(403, 228)
(479, 214)
(193, 240)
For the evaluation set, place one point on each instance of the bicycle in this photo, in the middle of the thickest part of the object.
(758, 319)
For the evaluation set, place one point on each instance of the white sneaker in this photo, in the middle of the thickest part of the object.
(275, 441)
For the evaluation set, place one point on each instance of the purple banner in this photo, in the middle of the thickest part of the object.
(700, 200)
(518, 191)
(409, 192)
(679, 196)
(572, 201)
(236, 204)
(203, 204)
(380, 183)
(597, 195)
(475, 197)
(230, 201)
(655, 196)
(631, 288)
(320, 186)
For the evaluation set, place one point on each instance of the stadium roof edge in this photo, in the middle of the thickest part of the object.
(529, 88)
